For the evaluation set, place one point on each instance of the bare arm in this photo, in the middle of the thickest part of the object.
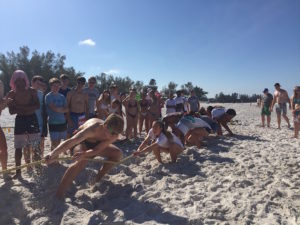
(274, 100)
(54, 108)
(71, 142)
(224, 124)
(86, 103)
(68, 106)
(292, 103)
(143, 144)
(12, 105)
(288, 99)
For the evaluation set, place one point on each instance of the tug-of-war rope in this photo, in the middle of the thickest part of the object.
(65, 159)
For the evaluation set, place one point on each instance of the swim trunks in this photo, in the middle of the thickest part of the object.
(281, 107)
(26, 131)
(265, 111)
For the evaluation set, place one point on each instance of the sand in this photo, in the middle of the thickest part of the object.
(250, 178)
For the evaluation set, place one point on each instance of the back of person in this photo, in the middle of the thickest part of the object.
(190, 122)
(194, 103)
(170, 105)
(217, 112)
(179, 104)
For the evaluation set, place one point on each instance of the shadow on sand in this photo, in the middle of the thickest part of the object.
(118, 205)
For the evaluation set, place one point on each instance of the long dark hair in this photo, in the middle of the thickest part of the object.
(163, 130)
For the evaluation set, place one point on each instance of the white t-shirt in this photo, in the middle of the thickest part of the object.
(189, 122)
(172, 103)
(218, 112)
(162, 140)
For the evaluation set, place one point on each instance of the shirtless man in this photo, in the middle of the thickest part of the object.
(94, 138)
(77, 101)
(24, 103)
(280, 99)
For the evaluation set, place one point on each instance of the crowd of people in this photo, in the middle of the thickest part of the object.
(279, 101)
(85, 123)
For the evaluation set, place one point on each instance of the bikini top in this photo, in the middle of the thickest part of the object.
(296, 100)
(143, 104)
(132, 105)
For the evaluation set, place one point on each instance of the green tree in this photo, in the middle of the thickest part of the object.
(46, 65)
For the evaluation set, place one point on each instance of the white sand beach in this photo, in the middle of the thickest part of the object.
(250, 178)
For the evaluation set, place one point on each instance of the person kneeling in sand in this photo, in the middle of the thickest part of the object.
(162, 141)
(192, 130)
(93, 138)
(223, 116)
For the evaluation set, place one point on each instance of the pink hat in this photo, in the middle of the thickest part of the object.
(16, 75)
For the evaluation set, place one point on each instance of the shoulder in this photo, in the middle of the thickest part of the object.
(11, 93)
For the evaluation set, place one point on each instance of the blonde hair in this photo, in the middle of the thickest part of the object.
(115, 123)
(54, 80)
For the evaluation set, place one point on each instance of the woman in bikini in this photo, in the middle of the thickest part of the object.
(154, 109)
(131, 109)
(295, 103)
(144, 111)
(102, 105)
(162, 141)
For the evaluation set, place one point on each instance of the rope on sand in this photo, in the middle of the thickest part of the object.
(64, 159)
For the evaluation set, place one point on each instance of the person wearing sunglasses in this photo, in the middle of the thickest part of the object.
(94, 138)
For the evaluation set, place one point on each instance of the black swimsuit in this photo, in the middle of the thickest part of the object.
(91, 145)
(132, 106)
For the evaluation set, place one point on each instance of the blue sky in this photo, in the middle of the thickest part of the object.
(230, 46)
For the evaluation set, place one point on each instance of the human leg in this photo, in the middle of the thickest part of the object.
(263, 120)
(175, 150)
(112, 153)
(69, 176)
(3, 150)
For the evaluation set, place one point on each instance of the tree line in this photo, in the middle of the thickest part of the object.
(50, 65)
(234, 97)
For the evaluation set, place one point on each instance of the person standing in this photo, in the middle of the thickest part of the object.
(56, 105)
(24, 103)
(3, 144)
(64, 89)
(295, 102)
(280, 99)
(77, 102)
(193, 101)
(266, 103)
(93, 95)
